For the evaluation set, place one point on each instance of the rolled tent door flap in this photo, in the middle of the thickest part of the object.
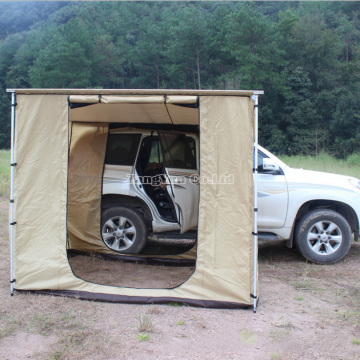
(133, 99)
(83, 99)
(86, 162)
(150, 99)
(155, 109)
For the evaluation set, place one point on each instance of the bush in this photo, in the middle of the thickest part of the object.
(354, 159)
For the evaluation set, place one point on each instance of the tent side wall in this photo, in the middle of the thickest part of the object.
(224, 266)
(40, 190)
(226, 207)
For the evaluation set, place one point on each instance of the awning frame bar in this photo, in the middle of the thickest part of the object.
(255, 179)
(12, 168)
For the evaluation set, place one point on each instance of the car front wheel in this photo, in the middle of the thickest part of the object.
(123, 230)
(323, 236)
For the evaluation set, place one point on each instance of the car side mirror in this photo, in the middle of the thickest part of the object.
(270, 166)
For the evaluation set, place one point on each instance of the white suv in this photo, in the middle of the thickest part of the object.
(150, 186)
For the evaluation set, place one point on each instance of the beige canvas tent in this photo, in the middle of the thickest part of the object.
(57, 162)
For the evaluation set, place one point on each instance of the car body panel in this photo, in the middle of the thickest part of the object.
(303, 186)
(185, 191)
(272, 201)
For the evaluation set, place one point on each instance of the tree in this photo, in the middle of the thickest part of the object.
(189, 39)
(251, 39)
(68, 60)
(149, 52)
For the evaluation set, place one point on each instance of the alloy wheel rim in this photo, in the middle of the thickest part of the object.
(324, 238)
(119, 233)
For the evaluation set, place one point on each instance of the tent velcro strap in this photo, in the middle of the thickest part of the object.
(253, 296)
(254, 233)
(12, 281)
(14, 104)
(255, 209)
(14, 164)
(12, 201)
(255, 169)
(256, 105)
(13, 223)
(100, 99)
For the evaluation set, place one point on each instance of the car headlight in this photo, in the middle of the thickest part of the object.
(355, 183)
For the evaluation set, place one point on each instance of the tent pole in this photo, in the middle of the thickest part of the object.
(13, 104)
(255, 176)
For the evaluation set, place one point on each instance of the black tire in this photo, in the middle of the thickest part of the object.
(323, 236)
(123, 230)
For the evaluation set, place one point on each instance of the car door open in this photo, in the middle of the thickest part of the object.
(182, 175)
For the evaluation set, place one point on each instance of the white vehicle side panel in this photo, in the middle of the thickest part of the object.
(187, 193)
(116, 179)
(272, 201)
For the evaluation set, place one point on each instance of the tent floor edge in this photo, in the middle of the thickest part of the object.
(111, 298)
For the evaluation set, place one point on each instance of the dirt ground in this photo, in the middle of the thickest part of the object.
(128, 274)
(305, 312)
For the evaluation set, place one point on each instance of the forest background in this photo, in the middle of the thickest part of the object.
(304, 55)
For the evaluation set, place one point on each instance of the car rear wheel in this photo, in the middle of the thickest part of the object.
(123, 230)
(323, 236)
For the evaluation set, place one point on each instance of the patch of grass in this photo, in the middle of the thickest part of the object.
(145, 323)
(355, 292)
(248, 337)
(353, 159)
(10, 322)
(7, 330)
(299, 298)
(46, 323)
(154, 310)
(275, 356)
(89, 342)
(78, 338)
(4, 172)
(355, 341)
(43, 324)
(327, 163)
(349, 315)
(143, 337)
(300, 285)
(56, 356)
(176, 304)
(278, 335)
(180, 322)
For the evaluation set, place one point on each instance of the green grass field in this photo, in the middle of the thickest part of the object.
(326, 163)
(4, 172)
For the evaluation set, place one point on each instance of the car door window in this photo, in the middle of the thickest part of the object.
(156, 155)
(261, 157)
(260, 162)
(121, 149)
(179, 151)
